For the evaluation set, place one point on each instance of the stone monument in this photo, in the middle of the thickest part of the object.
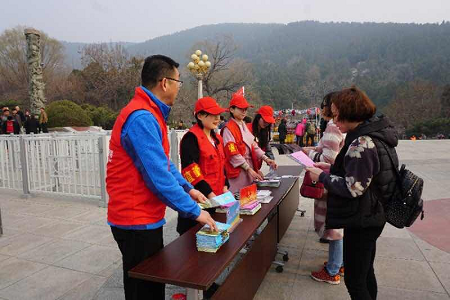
(35, 77)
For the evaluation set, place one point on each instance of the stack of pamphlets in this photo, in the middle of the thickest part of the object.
(250, 208)
(211, 241)
(264, 196)
(269, 183)
(232, 214)
(224, 199)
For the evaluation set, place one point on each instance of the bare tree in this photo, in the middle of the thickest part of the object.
(109, 75)
(13, 64)
(417, 102)
(227, 73)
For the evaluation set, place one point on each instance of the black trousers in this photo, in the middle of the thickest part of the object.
(136, 246)
(359, 255)
(300, 140)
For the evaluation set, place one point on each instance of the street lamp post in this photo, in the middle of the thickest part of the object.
(199, 66)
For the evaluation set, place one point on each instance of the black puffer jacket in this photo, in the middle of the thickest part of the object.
(367, 209)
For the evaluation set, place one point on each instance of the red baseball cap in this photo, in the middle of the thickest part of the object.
(266, 113)
(208, 105)
(239, 101)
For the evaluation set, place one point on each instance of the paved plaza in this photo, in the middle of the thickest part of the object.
(55, 248)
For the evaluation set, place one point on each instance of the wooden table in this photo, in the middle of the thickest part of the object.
(179, 263)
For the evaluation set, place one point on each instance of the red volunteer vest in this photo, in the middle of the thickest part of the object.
(239, 147)
(211, 163)
(130, 201)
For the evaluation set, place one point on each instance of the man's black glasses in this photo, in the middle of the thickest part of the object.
(179, 81)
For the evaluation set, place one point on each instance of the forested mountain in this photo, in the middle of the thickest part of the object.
(299, 62)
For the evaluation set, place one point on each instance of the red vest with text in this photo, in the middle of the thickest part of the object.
(212, 160)
(239, 147)
(130, 201)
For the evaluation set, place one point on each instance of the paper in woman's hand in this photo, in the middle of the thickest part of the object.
(301, 158)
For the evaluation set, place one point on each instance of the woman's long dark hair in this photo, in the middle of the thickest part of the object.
(263, 134)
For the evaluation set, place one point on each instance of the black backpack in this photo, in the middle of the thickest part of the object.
(406, 203)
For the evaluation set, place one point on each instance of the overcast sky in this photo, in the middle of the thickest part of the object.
(140, 20)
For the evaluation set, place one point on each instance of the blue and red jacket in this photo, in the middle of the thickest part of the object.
(141, 180)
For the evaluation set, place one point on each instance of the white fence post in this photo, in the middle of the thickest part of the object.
(24, 167)
(174, 148)
(102, 159)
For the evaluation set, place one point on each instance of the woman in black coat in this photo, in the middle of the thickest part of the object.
(361, 180)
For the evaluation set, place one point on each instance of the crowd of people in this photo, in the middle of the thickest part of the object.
(17, 122)
(218, 156)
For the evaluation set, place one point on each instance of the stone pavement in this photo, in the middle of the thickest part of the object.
(62, 248)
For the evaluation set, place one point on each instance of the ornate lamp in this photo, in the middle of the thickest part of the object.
(199, 66)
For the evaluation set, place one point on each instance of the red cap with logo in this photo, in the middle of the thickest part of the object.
(266, 113)
(239, 101)
(209, 105)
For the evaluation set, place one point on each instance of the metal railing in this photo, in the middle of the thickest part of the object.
(62, 163)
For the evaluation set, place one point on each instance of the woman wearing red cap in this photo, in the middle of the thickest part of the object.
(242, 152)
(202, 155)
(260, 128)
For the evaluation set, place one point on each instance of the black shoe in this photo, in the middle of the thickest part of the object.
(324, 241)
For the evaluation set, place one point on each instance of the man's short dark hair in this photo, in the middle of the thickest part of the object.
(155, 68)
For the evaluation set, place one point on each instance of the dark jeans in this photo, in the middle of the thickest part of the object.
(136, 246)
(359, 255)
(44, 127)
(300, 140)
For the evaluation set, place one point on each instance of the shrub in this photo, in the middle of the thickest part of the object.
(66, 113)
(101, 116)
(431, 127)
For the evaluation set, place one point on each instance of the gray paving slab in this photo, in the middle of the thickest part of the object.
(393, 232)
(431, 253)
(442, 271)
(57, 229)
(21, 243)
(54, 251)
(388, 247)
(28, 223)
(276, 286)
(14, 269)
(93, 259)
(306, 288)
(92, 216)
(3, 257)
(48, 284)
(86, 290)
(385, 293)
(407, 274)
(65, 212)
(89, 234)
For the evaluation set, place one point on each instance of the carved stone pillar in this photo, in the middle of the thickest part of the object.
(35, 77)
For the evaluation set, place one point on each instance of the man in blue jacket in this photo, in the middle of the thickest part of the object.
(141, 180)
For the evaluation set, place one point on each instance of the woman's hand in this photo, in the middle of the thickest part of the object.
(225, 189)
(255, 175)
(314, 173)
(211, 195)
(306, 150)
(271, 163)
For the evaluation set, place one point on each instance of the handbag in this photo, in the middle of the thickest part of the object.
(311, 188)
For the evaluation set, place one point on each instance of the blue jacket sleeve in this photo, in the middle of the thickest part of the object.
(141, 138)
